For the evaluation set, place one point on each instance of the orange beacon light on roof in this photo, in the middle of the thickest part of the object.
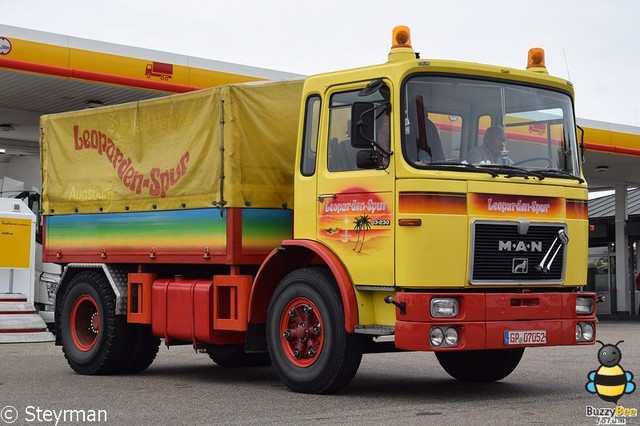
(401, 37)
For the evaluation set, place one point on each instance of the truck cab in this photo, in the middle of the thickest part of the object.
(474, 258)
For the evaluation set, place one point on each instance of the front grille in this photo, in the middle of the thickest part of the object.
(501, 254)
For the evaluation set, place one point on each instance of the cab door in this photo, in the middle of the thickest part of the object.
(355, 206)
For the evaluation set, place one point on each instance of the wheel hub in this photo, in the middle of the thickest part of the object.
(95, 323)
(302, 337)
(85, 323)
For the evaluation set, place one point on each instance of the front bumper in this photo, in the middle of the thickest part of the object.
(484, 318)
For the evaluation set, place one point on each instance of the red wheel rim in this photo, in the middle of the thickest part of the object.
(301, 332)
(85, 323)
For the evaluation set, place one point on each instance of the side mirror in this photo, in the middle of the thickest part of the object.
(362, 119)
(368, 159)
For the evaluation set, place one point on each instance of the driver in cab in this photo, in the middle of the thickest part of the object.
(490, 151)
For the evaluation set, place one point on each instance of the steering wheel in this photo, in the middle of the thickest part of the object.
(548, 160)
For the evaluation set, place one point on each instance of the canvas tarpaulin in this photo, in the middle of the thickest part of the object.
(228, 146)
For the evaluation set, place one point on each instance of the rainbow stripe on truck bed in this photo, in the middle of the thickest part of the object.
(208, 236)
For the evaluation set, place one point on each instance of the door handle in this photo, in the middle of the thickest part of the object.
(321, 197)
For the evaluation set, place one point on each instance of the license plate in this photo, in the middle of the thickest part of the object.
(529, 337)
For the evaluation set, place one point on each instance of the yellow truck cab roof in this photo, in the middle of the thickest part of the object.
(403, 62)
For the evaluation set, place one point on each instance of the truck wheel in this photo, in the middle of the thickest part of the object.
(235, 356)
(94, 338)
(480, 366)
(306, 337)
(143, 348)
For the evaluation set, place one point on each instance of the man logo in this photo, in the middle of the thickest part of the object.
(531, 246)
(519, 266)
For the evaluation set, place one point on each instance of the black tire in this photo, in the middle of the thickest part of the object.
(234, 356)
(327, 357)
(94, 338)
(480, 366)
(143, 349)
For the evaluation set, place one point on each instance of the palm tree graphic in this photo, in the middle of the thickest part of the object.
(361, 225)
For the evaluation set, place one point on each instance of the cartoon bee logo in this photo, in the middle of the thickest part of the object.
(610, 381)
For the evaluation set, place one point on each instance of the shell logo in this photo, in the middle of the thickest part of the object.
(5, 46)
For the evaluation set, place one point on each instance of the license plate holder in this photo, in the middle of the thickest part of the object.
(525, 337)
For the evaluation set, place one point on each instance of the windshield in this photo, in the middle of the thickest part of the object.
(488, 124)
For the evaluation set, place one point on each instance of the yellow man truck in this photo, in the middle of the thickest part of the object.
(304, 223)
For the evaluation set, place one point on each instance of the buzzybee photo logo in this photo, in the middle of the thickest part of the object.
(610, 382)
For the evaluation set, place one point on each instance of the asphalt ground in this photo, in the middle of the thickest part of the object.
(186, 388)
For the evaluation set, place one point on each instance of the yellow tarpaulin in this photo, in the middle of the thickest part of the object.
(231, 145)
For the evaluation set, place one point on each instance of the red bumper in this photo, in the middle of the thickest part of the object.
(483, 319)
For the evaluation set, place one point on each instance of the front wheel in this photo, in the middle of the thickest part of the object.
(480, 366)
(306, 337)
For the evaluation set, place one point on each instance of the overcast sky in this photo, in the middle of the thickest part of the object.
(593, 43)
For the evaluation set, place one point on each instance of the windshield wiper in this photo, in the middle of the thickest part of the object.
(512, 171)
(454, 166)
(560, 174)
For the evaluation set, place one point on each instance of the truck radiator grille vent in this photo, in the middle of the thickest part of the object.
(502, 255)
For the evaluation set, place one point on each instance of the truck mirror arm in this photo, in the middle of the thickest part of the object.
(361, 124)
(374, 145)
(581, 144)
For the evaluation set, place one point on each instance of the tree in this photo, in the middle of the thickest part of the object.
(361, 225)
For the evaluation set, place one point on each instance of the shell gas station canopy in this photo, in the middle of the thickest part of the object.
(43, 73)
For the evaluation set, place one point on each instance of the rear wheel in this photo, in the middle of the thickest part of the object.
(480, 366)
(235, 356)
(94, 338)
(306, 337)
(143, 348)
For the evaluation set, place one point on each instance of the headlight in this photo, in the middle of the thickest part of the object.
(584, 305)
(437, 336)
(584, 332)
(451, 336)
(578, 332)
(587, 331)
(444, 307)
(444, 336)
